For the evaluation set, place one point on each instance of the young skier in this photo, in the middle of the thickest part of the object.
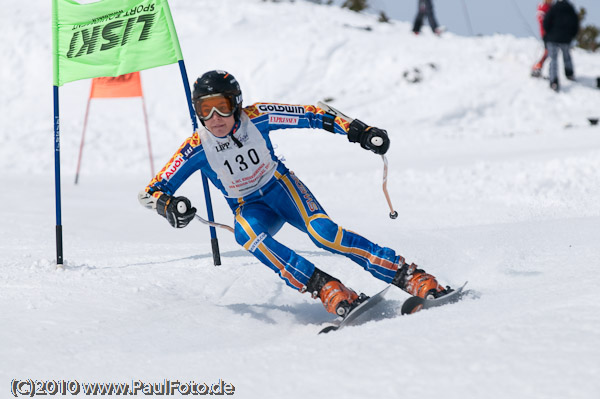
(542, 10)
(234, 151)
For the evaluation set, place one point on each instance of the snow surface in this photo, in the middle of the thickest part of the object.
(496, 180)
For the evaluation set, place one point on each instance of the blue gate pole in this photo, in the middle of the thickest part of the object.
(59, 246)
(213, 233)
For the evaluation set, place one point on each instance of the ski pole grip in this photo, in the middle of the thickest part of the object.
(377, 141)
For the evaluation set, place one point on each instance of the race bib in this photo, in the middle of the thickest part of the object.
(242, 170)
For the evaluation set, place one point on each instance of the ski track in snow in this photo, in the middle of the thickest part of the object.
(496, 180)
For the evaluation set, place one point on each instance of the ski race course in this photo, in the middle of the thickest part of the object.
(496, 180)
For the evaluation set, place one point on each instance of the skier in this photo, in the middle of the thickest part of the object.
(561, 24)
(426, 10)
(234, 151)
(542, 10)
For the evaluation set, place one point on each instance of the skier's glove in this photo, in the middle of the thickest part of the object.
(370, 138)
(177, 210)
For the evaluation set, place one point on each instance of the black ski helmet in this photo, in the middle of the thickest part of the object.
(219, 82)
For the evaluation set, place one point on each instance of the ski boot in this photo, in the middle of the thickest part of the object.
(418, 283)
(570, 74)
(336, 297)
(536, 72)
(555, 86)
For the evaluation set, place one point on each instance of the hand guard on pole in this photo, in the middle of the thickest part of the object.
(177, 210)
(370, 138)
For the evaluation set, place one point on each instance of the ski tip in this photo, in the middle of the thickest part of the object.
(416, 309)
(328, 329)
(412, 305)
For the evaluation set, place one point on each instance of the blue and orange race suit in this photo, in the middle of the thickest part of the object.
(263, 194)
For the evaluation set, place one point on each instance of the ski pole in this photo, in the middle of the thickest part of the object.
(182, 208)
(393, 213)
(214, 224)
(333, 111)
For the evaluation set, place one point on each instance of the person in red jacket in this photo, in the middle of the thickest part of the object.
(542, 9)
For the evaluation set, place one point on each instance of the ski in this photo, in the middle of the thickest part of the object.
(357, 311)
(409, 306)
(415, 303)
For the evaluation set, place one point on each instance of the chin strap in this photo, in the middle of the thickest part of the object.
(236, 141)
(235, 129)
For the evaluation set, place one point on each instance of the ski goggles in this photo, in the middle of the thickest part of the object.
(207, 106)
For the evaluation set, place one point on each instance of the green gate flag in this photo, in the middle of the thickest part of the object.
(111, 38)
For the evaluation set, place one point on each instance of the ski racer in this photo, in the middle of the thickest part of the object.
(234, 151)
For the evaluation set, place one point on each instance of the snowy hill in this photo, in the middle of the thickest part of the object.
(496, 180)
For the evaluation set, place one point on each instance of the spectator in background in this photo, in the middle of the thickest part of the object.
(542, 10)
(426, 10)
(561, 25)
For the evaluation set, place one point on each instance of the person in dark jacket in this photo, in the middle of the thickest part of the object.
(426, 10)
(561, 25)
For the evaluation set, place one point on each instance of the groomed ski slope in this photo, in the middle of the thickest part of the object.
(496, 180)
